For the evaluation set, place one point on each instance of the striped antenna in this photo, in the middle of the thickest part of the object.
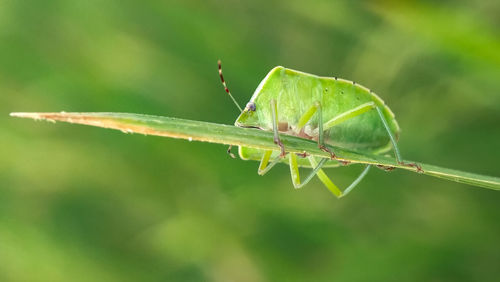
(225, 86)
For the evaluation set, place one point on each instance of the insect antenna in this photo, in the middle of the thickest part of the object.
(225, 86)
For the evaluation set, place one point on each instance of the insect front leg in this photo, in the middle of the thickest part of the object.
(265, 165)
(277, 141)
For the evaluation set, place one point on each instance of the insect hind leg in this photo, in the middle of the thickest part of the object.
(395, 145)
(361, 109)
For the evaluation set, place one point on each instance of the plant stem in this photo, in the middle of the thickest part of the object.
(231, 135)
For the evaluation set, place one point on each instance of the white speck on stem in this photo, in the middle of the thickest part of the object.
(190, 139)
(127, 130)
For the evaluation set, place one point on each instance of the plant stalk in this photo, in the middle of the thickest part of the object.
(232, 135)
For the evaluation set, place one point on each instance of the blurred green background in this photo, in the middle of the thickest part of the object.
(85, 204)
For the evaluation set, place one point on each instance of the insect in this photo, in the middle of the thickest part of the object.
(329, 110)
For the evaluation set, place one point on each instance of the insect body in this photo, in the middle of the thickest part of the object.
(328, 110)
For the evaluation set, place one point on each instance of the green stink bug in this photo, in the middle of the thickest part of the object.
(329, 110)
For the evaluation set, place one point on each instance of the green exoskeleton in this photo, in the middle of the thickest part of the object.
(329, 110)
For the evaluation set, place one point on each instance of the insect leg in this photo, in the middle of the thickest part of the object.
(395, 145)
(294, 171)
(344, 117)
(277, 141)
(391, 136)
(356, 181)
(265, 166)
(325, 179)
(306, 117)
(321, 133)
(229, 152)
(349, 114)
(363, 109)
(332, 187)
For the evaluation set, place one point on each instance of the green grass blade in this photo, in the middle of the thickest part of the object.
(231, 135)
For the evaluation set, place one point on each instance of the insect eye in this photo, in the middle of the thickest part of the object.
(251, 106)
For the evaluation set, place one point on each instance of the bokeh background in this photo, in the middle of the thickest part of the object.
(85, 204)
